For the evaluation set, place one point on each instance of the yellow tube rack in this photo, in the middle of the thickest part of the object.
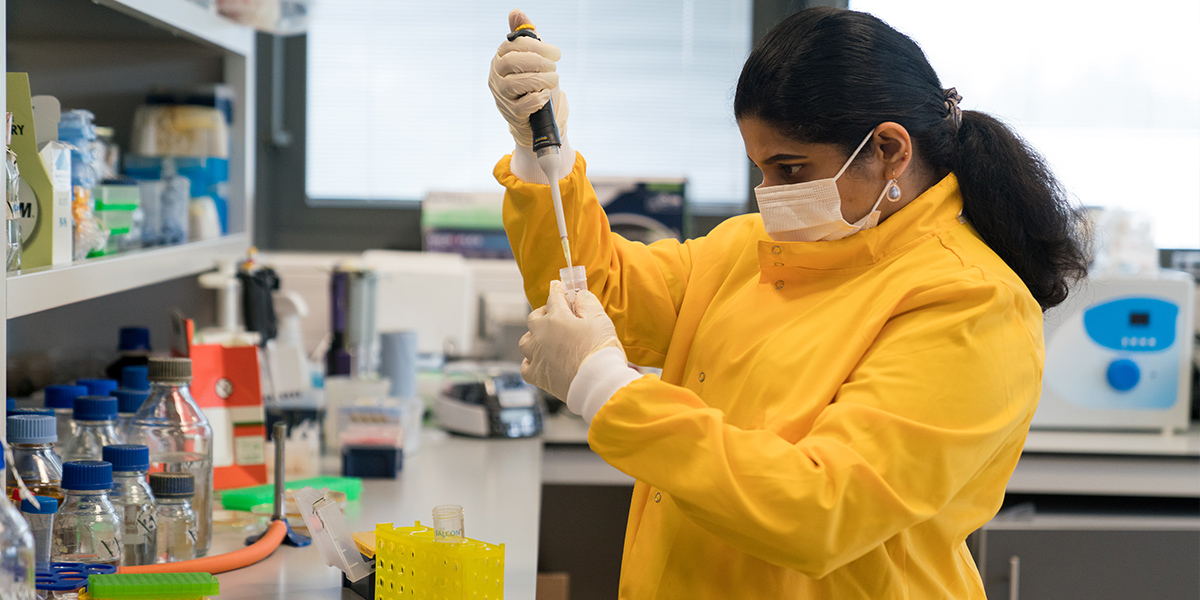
(409, 565)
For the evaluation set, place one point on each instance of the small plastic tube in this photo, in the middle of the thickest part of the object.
(574, 280)
(448, 523)
(41, 524)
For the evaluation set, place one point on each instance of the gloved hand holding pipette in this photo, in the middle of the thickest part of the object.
(525, 86)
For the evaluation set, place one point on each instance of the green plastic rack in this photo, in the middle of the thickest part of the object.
(153, 586)
(249, 497)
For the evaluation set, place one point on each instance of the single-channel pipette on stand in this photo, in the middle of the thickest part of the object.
(547, 144)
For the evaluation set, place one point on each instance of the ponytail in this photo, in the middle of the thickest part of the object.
(1018, 207)
(826, 75)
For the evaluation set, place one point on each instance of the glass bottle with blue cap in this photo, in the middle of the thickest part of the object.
(128, 403)
(99, 387)
(95, 428)
(32, 440)
(132, 496)
(133, 348)
(177, 526)
(61, 399)
(16, 552)
(88, 527)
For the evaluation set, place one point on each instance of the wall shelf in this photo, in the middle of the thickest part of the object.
(51, 287)
(189, 20)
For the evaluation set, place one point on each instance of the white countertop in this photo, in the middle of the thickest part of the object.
(497, 482)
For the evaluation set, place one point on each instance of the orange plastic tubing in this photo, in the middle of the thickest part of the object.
(221, 563)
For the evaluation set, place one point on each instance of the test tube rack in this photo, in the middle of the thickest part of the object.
(410, 565)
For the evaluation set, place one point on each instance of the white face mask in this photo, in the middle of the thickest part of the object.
(812, 211)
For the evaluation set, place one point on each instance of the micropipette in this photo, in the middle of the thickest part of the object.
(546, 141)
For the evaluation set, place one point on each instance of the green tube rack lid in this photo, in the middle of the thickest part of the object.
(153, 586)
(249, 497)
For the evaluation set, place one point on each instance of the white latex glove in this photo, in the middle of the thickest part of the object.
(560, 340)
(523, 78)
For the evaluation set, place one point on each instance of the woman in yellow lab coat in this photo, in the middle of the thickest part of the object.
(847, 378)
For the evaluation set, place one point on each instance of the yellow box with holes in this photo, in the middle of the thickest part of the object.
(410, 565)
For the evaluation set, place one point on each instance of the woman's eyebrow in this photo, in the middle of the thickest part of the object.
(778, 157)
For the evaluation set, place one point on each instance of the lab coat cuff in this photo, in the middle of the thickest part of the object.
(599, 377)
(524, 165)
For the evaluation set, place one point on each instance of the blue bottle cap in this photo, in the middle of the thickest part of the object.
(135, 377)
(127, 457)
(32, 429)
(133, 339)
(87, 475)
(98, 387)
(129, 401)
(63, 396)
(48, 506)
(95, 408)
(32, 411)
(172, 485)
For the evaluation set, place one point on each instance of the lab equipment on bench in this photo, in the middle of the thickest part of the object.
(16, 551)
(88, 527)
(488, 401)
(132, 497)
(95, 428)
(177, 522)
(41, 525)
(1119, 355)
(31, 438)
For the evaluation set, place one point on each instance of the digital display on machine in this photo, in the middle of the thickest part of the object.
(1139, 318)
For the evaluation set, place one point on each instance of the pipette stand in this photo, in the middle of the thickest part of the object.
(292, 538)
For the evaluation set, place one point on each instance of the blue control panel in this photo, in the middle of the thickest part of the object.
(1132, 325)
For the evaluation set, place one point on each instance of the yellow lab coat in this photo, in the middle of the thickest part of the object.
(833, 418)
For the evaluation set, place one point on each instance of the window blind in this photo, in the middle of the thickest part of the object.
(1108, 93)
(398, 102)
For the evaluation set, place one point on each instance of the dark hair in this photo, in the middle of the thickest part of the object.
(828, 75)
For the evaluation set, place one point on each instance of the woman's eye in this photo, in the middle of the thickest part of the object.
(790, 170)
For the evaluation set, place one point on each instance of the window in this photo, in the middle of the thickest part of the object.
(1108, 92)
(398, 102)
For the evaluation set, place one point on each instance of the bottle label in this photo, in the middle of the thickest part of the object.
(147, 524)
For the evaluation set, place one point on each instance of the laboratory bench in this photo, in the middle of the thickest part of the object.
(501, 485)
(497, 482)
